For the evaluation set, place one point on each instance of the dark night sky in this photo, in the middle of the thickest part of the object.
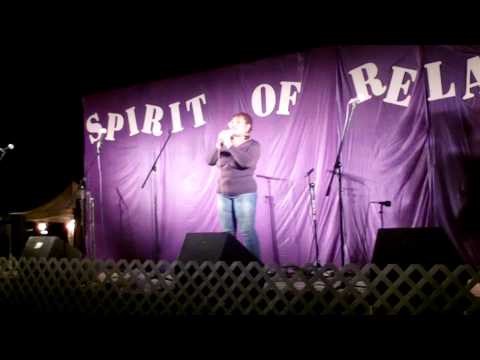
(50, 66)
(47, 77)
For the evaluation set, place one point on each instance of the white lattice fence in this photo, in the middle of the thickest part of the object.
(108, 288)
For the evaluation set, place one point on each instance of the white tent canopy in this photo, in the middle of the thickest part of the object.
(58, 210)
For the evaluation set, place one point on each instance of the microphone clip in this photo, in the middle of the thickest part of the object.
(383, 203)
(100, 141)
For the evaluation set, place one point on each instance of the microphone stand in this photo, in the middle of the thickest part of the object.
(270, 201)
(87, 222)
(337, 170)
(10, 255)
(154, 165)
(381, 215)
(87, 203)
(100, 195)
(382, 204)
(155, 198)
(90, 212)
(100, 177)
(3, 152)
(313, 212)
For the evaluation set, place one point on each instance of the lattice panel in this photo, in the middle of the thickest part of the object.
(108, 288)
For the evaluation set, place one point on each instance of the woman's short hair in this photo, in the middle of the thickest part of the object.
(247, 118)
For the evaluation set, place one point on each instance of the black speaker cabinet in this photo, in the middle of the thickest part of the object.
(44, 247)
(50, 247)
(405, 246)
(214, 247)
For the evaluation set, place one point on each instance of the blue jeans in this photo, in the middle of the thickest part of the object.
(237, 212)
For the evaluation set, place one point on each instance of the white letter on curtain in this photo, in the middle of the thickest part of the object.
(196, 105)
(115, 123)
(435, 88)
(473, 66)
(94, 127)
(175, 114)
(153, 116)
(132, 121)
(287, 97)
(397, 85)
(270, 100)
(360, 81)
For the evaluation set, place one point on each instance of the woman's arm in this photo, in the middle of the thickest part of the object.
(246, 156)
(213, 157)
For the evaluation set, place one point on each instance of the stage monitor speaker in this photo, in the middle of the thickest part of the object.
(214, 247)
(44, 247)
(405, 246)
(49, 247)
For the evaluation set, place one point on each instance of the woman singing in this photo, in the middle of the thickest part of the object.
(236, 155)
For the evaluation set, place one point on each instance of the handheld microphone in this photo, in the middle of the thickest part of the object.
(384, 203)
(227, 133)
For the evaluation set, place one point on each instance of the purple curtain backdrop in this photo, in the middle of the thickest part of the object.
(416, 156)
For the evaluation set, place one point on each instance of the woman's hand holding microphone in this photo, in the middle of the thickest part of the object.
(225, 138)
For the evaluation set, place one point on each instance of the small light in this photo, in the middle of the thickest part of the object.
(70, 226)
(42, 226)
(44, 232)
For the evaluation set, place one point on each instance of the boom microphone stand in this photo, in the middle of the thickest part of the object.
(3, 151)
(155, 197)
(337, 170)
(154, 165)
